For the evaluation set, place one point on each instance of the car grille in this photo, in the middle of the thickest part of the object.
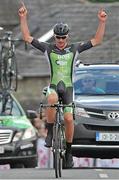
(95, 113)
(5, 136)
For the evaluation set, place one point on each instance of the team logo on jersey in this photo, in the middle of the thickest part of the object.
(62, 59)
(61, 62)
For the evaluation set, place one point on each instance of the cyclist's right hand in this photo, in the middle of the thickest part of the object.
(22, 11)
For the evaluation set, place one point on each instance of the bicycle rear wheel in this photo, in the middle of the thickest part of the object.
(56, 150)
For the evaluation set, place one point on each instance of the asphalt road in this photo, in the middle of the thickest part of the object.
(82, 173)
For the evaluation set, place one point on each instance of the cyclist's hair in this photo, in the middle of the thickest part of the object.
(61, 29)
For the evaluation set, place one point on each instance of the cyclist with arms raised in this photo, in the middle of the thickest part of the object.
(61, 56)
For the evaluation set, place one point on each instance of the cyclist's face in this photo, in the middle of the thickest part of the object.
(61, 41)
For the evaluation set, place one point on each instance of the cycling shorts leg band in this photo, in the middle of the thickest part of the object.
(68, 109)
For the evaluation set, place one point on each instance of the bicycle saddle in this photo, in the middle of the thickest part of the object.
(61, 88)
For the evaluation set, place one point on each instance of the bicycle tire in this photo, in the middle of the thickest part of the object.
(8, 71)
(14, 78)
(63, 146)
(56, 149)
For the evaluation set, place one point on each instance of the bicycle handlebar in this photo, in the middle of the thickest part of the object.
(57, 105)
(8, 39)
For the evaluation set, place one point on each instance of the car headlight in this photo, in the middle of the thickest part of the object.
(81, 112)
(29, 133)
(17, 136)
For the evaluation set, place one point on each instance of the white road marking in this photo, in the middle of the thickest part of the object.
(103, 175)
(98, 169)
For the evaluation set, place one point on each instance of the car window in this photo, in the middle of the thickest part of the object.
(9, 106)
(96, 81)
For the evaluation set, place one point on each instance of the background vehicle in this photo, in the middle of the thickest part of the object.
(97, 112)
(17, 135)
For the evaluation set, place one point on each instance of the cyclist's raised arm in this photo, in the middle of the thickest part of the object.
(102, 16)
(23, 22)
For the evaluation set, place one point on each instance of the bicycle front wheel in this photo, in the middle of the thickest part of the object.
(56, 150)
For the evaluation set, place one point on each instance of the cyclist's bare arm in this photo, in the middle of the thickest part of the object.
(102, 16)
(23, 22)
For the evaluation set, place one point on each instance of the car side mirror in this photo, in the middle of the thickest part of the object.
(31, 114)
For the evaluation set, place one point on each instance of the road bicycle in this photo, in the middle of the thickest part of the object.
(58, 142)
(8, 63)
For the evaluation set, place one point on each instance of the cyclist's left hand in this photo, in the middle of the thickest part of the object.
(102, 15)
(22, 11)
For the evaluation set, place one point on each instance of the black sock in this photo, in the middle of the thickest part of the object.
(68, 147)
(49, 127)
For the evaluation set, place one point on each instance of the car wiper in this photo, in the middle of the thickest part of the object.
(112, 94)
(89, 94)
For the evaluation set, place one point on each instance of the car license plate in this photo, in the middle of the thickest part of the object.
(104, 136)
(1, 149)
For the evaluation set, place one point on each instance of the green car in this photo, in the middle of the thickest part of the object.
(18, 137)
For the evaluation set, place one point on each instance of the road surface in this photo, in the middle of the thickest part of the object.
(82, 173)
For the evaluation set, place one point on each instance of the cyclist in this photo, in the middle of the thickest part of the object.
(61, 56)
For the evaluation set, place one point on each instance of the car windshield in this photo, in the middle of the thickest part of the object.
(96, 82)
(8, 107)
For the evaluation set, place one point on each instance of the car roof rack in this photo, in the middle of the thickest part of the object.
(87, 64)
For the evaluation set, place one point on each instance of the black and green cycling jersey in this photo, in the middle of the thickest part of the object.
(61, 61)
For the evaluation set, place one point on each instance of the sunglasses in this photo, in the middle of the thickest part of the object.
(61, 37)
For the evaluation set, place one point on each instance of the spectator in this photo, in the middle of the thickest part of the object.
(88, 85)
(44, 154)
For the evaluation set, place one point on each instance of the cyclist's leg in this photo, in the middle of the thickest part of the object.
(52, 98)
(69, 131)
(69, 126)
